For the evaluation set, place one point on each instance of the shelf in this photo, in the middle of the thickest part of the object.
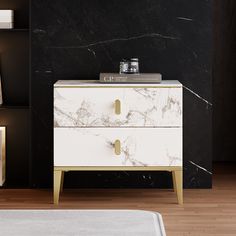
(14, 30)
(13, 107)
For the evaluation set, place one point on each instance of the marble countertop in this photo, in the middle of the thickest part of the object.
(96, 83)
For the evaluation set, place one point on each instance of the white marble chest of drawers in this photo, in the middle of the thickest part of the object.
(117, 127)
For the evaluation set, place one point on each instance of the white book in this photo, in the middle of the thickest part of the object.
(1, 101)
(6, 19)
(2, 155)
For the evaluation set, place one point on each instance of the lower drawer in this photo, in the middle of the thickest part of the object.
(117, 146)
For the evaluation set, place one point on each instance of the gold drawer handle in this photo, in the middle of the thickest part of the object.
(117, 147)
(117, 107)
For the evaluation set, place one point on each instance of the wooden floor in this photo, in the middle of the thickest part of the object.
(205, 212)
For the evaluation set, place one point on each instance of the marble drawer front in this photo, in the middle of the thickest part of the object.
(139, 107)
(137, 146)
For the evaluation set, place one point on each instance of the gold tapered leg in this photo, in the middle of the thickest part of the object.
(57, 185)
(62, 181)
(179, 185)
(174, 181)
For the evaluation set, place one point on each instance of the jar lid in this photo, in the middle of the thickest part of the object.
(134, 59)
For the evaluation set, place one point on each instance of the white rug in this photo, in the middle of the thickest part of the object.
(80, 222)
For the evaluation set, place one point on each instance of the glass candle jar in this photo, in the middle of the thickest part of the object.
(129, 66)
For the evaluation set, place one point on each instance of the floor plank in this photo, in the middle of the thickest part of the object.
(205, 211)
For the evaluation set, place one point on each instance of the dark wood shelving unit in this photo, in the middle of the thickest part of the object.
(14, 30)
(14, 112)
(14, 107)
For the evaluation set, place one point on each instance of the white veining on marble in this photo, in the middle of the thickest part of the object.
(128, 148)
(184, 18)
(201, 98)
(108, 41)
(172, 105)
(39, 31)
(92, 51)
(146, 92)
(200, 167)
(140, 107)
(172, 159)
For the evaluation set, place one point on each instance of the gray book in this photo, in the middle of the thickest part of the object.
(130, 78)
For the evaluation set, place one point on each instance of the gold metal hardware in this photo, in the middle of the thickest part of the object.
(117, 147)
(58, 172)
(117, 107)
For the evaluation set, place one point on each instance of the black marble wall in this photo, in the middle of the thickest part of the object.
(224, 89)
(78, 39)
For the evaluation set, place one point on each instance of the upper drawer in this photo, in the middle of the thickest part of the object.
(117, 107)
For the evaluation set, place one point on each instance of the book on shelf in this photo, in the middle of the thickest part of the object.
(1, 101)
